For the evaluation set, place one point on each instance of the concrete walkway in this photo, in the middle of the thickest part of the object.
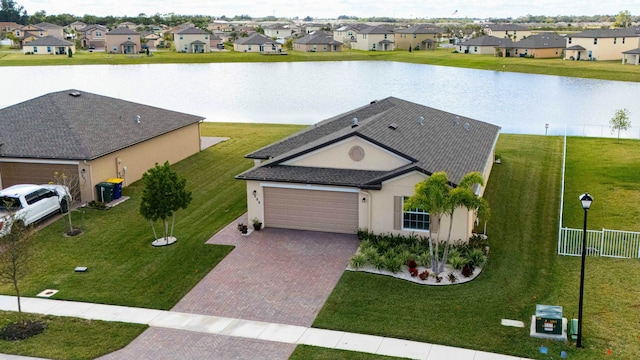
(257, 336)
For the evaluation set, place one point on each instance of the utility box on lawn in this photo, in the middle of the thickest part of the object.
(548, 323)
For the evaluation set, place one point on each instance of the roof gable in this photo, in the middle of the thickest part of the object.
(78, 125)
(49, 40)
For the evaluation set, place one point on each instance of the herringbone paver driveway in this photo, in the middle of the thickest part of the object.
(273, 275)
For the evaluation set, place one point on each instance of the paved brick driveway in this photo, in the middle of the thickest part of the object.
(272, 275)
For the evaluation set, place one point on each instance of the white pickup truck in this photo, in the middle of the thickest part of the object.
(30, 203)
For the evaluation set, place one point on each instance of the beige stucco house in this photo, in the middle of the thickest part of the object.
(48, 45)
(602, 44)
(353, 171)
(484, 45)
(122, 40)
(90, 137)
(507, 31)
(540, 46)
(631, 56)
(93, 35)
(192, 40)
(257, 42)
(318, 41)
(375, 38)
(417, 37)
(347, 34)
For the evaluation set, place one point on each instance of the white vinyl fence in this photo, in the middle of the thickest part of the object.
(607, 243)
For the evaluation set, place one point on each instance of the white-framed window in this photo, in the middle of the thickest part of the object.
(595, 41)
(98, 34)
(415, 219)
(615, 40)
(48, 49)
(35, 49)
(249, 47)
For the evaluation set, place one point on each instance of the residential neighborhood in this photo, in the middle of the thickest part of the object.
(296, 187)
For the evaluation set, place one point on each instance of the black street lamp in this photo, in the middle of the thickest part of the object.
(586, 201)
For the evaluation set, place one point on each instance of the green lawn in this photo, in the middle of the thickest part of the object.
(306, 352)
(523, 271)
(606, 70)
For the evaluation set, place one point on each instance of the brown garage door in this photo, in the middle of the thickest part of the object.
(314, 210)
(28, 173)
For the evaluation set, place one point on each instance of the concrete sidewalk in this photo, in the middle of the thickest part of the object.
(229, 327)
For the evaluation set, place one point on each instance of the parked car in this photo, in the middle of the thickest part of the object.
(31, 203)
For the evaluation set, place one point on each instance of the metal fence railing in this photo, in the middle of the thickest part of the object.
(606, 243)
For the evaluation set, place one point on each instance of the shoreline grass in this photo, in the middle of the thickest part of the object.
(604, 70)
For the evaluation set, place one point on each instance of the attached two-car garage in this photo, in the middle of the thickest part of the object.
(315, 210)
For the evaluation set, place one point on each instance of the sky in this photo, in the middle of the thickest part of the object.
(333, 8)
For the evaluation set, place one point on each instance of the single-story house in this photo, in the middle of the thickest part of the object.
(353, 171)
(48, 45)
(90, 137)
(631, 56)
(484, 45)
(257, 42)
(318, 41)
(544, 45)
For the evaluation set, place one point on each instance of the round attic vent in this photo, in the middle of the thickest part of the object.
(356, 153)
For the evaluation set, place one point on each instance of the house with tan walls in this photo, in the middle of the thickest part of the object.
(122, 40)
(375, 38)
(602, 44)
(192, 40)
(355, 170)
(507, 31)
(48, 45)
(95, 35)
(540, 46)
(484, 45)
(417, 37)
(318, 41)
(257, 42)
(347, 34)
(90, 137)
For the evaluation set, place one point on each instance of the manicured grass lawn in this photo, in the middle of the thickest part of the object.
(70, 338)
(523, 271)
(606, 70)
(123, 267)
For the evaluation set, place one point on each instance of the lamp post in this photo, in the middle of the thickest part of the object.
(586, 201)
(546, 127)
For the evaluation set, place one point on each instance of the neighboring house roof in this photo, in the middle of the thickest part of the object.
(380, 29)
(420, 29)
(255, 39)
(277, 27)
(93, 27)
(46, 25)
(87, 126)
(192, 31)
(7, 25)
(576, 47)
(198, 42)
(49, 40)
(122, 31)
(317, 38)
(608, 33)
(540, 41)
(632, 51)
(487, 41)
(355, 27)
(443, 143)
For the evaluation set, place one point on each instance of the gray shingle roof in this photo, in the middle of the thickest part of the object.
(540, 41)
(608, 33)
(255, 39)
(632, 51)
(576, 47)
(488, 41)
(122, 31)
(317, 38)
(420, 29)
(191, 30)
(506, 27)
(380, 29)
(60, 126)
(441, 144)
(49, 40)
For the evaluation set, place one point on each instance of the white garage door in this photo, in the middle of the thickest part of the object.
(313, 210)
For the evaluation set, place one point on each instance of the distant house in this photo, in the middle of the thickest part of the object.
(51, 29)
(312, 27)
(375, 38)
(215, 41)
(484, 45)
(93, 35)
(96, 138)
(417, 37)
(28, 33)
(128, 24)
(347, 34)
(77, 25)
(122, 40)
(6, 26)
(219, 25)
(192, 40)
(631, 56)
(152, 40)
(48, 45)
(544, 45)
(277, 31)
(356, 169)
(257, 42)
(508, 31)
(602, 44)
(318, 41)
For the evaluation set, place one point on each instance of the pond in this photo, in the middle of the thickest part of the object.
(307, 92)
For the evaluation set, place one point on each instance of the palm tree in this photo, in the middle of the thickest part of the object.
(436, 196)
